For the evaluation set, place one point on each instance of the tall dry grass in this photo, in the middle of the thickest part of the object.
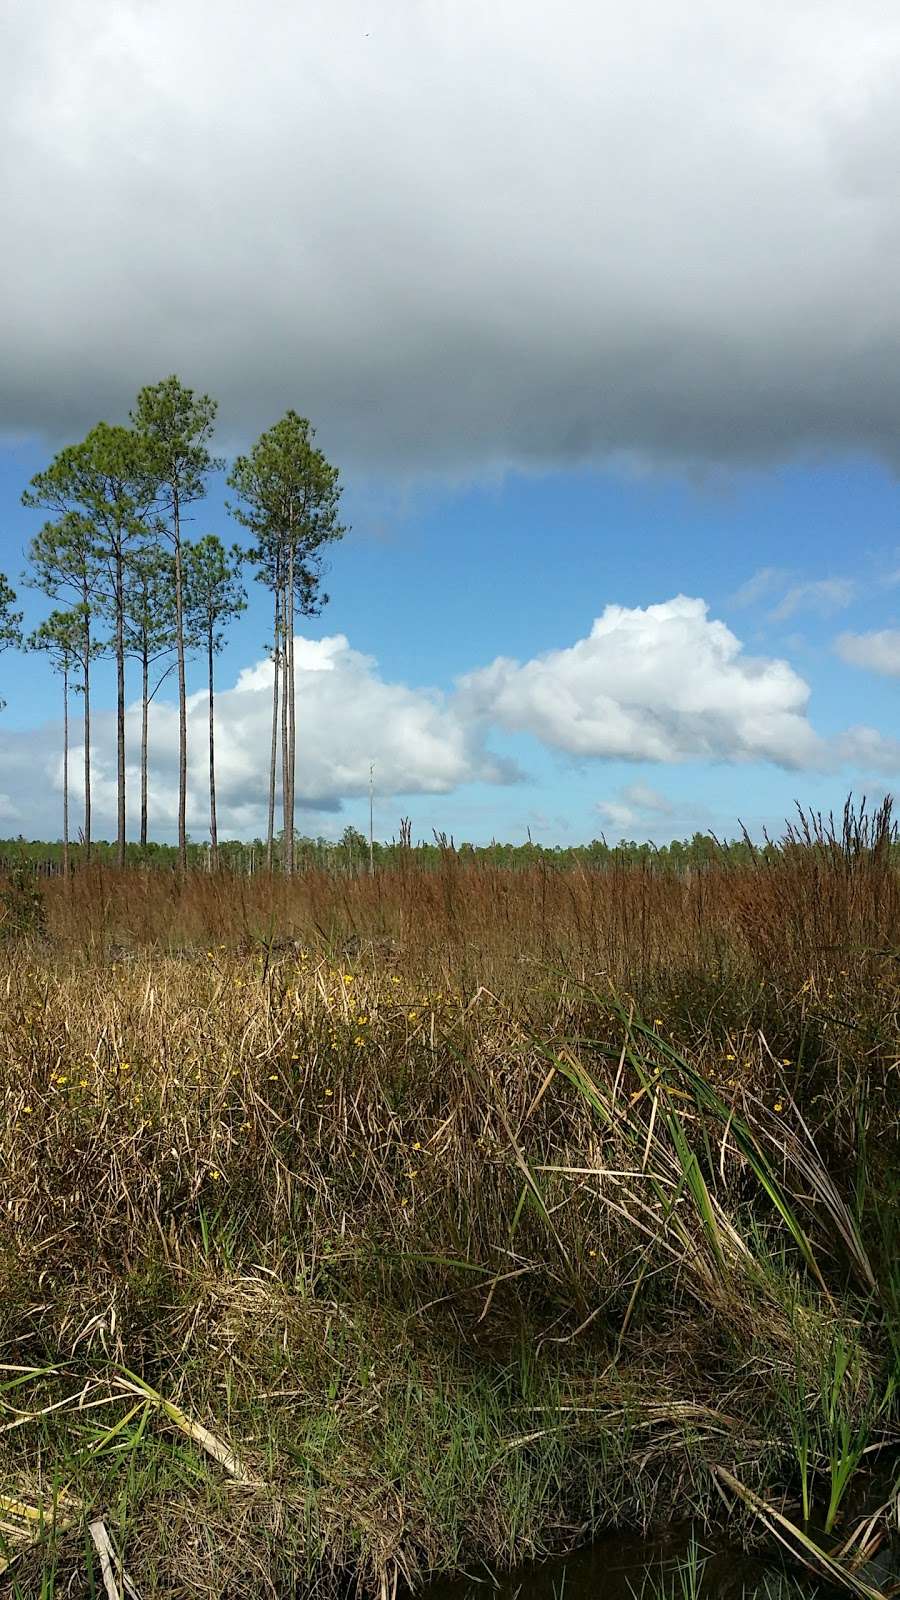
(465, 1213)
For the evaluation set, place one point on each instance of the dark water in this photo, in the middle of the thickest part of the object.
(622, 1566)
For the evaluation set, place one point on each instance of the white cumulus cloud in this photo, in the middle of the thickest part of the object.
(661, 683)
(348, 717)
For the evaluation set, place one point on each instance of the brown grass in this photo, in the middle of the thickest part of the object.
(383, 1186)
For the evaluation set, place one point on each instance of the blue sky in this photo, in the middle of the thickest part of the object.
(435, 581)
(585, 335)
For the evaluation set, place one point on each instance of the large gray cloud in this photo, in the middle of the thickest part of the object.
(460, 235)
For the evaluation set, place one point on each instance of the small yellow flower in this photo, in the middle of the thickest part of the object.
(729, 1058)
(27, 1110)
(395, 980)
(592, 1254)
(215, 1174)
(82, 1083)
(657, 1022)
(348, 977)
(273, 1076)
(417, 1145)
(328, 1093)
(413, 1173)
(361, 1021)
(359, 1039)
(411, 1016)
(778, 1106)
(787, 1062)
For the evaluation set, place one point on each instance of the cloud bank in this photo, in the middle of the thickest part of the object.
(663, 684)
(460, 237)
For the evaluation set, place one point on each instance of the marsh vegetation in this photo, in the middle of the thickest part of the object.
(371, 1227)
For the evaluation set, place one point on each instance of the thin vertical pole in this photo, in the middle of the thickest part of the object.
(372, 821)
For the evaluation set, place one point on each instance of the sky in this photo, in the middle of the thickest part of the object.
(593, 307)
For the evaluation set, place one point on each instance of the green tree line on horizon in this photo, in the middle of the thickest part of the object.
(126, 583)
(354, 853)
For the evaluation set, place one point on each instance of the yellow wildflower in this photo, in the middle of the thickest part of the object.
(778, 1106)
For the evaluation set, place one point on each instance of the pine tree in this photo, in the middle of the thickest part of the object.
(61, 638)
(214, 596)
(64, 566)
(150, 638)
(177, 425)
(104, 480)
(287, 496)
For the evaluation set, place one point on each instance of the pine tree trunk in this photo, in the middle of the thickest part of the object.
(87, 737)
(145, 716)
(213, 835)
(182, 691)
(292, 718)
(66, 770)
(270, 837)
(120, 714)
(285, 751)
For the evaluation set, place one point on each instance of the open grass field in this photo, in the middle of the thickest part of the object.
(370, 1227)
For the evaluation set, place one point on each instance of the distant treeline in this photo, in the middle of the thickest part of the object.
(351, 854)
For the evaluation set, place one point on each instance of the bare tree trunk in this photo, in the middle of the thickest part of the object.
(182, 691)
(292, 717)
(65, 769)
(145, 713)
(285, 752)
(87, 737)
(213, 835)
(120, 714)
(270, 837)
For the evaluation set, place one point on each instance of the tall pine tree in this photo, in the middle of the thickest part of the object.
(150, 639)
(214, 596)
(64, 566)
(288, 496)
(105, 480)
(176, 425)
(60, 637)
